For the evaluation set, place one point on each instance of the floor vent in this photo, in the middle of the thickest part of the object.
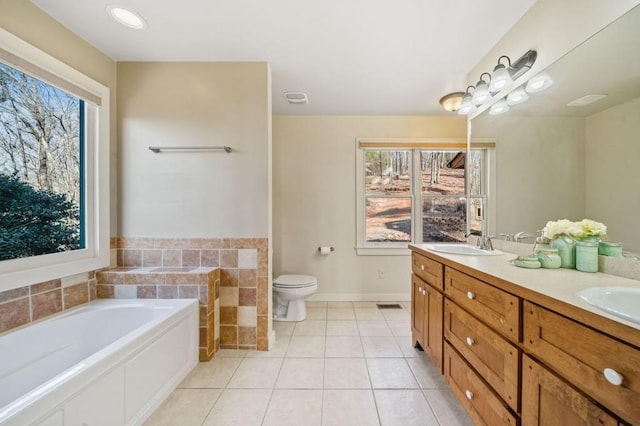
(388, 306)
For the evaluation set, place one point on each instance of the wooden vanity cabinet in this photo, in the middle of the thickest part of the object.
(599, 365)
(548, 400)
(427, 307)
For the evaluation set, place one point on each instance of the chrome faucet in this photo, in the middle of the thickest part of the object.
(518, 237)
(483, 242)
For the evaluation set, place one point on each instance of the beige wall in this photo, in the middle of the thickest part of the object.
(613, 173)
(314, 175)
(186, 194)
(552, 28)
(539, 170)
(31, 24)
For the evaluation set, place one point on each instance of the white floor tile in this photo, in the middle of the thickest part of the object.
(316, 304)
(283, 328)
(374, 328)
(370, 305)
(340, 314)
(404, 408)
(400, 328)
(346, 373)
(279, 349)
(342, 328)
(256, 373)
(306, 347)
(396, 314)
(340, 304)
(427, 374)
(239, 407)
(391, 373)
(368, 314)
(294, 408)
(213, 374)
(349, 407)
(301, 373)
(231, 353)
(184, 407)
(380, 347)
(344, 347)
(446, 407)
(406, 346)
(316, 313)
(310, 327)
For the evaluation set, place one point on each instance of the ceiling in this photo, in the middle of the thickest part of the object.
(352, 57)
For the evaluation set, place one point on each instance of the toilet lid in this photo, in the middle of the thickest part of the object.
(294, 281)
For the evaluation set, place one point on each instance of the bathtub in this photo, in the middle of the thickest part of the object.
(110, 362)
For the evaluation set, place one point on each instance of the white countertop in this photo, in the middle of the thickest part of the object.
(559, 284)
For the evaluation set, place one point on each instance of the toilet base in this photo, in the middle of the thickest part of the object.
(293, 311)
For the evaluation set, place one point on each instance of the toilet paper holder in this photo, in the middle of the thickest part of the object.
(331, 249)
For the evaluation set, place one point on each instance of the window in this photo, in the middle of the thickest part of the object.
(415, 191)
(54, 147)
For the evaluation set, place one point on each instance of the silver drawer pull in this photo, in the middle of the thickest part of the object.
(471, 295)
(613, 376)
(422, 267)
(420, 289)
(424, 292)
(468, 394)
(470, 341)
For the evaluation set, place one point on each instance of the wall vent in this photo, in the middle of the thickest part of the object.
(296, 98)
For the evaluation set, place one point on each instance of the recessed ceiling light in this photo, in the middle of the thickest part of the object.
(586, 100)
(126, 17)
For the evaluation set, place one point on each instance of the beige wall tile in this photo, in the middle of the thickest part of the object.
(147, 292)
(262, 333)
(228, 296)
(262, 297)
(14, 314)
(247, 277)
(167, 292)
(131, 257)
(210, 258)
(76, 295)
(248, 258)
(247, 297)
(247, 316)
(104, 291)
(190, 258)
(228, 335)
(16, 293)
(45, 304)
(229, 258)
(151, 257)
(171, 257)
(45, 286)
(246, 336)
(135, 242)
(229, 277)
(228, 315)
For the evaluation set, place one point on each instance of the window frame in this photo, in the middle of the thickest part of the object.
(21, 272)
(415, 146)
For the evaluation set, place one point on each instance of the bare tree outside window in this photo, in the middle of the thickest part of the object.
(40, 167)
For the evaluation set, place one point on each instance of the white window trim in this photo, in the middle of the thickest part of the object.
(401, 249)
(27, 271)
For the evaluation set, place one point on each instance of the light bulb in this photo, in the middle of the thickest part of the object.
(467, 106)
(499, 107)
(539, 83)
(517, 96)
(481, 94)
(499, 79)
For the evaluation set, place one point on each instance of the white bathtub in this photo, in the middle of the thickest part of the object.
(111, 362)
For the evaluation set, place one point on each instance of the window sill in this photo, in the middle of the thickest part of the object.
(383, 251)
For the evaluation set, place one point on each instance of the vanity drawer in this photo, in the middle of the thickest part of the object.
(496, 308)
(428, 270)
(492, 356)
(483, 406)
(583, 358)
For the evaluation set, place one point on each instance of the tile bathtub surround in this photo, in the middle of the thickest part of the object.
(244, 282)
(23, 305)
(200, 283)
(321, 373)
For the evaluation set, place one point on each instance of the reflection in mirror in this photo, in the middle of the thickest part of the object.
(554, 160)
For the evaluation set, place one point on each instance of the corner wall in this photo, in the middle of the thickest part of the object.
(314, 175)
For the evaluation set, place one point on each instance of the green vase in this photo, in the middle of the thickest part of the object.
(566, 250)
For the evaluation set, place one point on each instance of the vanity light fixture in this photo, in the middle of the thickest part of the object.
(126, 17)
(517, 96)
(467, 106)
(500, 76)
(499, 107)
(452, 101)
(539, 82)
(482, 95)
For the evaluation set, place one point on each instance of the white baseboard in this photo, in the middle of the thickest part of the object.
(360, 297)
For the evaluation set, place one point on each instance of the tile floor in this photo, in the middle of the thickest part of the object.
(347, 364)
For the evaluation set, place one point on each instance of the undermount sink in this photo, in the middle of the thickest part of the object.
(623, 302)
(462, 249)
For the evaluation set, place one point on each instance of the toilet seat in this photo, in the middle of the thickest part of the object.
(294, 281)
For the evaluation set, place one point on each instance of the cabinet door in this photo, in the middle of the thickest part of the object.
(417, 310)
(433, 329)
(547, 401)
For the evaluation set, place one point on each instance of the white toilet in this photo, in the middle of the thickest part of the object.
(289, 294)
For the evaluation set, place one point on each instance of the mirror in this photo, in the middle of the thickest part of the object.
(554, 161)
